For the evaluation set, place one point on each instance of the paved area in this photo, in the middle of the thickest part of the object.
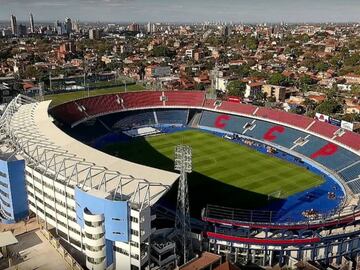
(20, 227)
(34, 252)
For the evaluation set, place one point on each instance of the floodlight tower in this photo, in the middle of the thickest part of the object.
(183, 164)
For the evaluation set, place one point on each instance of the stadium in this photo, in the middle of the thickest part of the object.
(267, 186)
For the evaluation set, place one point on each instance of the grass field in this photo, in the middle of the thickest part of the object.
(224, 172)
(65, 97)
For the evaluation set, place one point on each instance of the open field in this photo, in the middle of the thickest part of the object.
(225, 173)
(65, 97)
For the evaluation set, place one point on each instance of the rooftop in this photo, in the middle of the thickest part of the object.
(7, 239)
(82, 165)
(202, 262)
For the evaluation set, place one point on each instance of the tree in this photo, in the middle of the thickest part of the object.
(310, 105)
(332, 93)
(304, 83)
(200, 86)
(321, 66)
(278, 79)
(328, 107)
(162, 51)
(236, 88)
(352, 117)
(241, 70)
(5, 54)
(355, 90)
(251, 43)
(31, 72)
(305, 80)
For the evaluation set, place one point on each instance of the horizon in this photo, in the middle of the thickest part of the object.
(142, 11)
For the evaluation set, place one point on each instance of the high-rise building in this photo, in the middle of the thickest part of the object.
(227, 31)
(76, 26)
(59, 28)
(94, 33)
(134, 27)
(14, 28)
(150, 28)
(22, 31)
(6, 33)
(32, 26)
(68, 25)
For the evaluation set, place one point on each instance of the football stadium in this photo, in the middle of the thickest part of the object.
(266, 186)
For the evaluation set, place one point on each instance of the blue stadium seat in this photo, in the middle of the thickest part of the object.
(172, 116)
(351, 172)
(259, 129)
(234, 124)
(145, 118)
(355, 186)
(339, 160)
(313, 144)
(286, 139)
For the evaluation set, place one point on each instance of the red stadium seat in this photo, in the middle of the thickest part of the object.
(324, 129)
(75, 111)
(284, 117)
(185, 98)
(237, 107)
(350, 139)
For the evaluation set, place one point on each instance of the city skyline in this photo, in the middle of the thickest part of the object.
(185, 11)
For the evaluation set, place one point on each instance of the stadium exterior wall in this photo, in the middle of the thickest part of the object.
(328, 250)
(13, 197)
(56, 199)
(62, 207)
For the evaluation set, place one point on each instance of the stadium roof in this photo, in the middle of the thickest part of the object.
(34, 133)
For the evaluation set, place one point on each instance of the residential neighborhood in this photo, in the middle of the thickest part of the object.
(303, 68)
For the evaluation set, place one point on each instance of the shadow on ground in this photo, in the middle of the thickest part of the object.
(203, 190)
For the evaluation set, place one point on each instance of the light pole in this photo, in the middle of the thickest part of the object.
(183, 164)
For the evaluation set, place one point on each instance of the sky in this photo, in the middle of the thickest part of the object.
(184, 10)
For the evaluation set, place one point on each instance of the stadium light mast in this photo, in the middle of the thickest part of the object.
(183, 164)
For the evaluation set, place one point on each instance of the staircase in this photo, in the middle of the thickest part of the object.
(194, 122)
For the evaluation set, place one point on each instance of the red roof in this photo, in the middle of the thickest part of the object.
(27, 86)
(227, 266)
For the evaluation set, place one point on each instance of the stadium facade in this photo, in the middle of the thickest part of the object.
(103, 205)
(14, 205)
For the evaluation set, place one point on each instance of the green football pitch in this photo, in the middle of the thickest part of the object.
(225, 173)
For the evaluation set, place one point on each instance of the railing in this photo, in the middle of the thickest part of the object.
(265, 219)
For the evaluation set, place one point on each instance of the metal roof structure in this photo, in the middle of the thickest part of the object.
(28, 128)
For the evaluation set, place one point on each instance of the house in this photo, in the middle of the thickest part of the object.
(155, 71)
(317, 98)
(344, 87)
(253, 89)
(353, 108)
(207, 261)
(221, 83)
(227, 266)
(352, 78)
(6, 93)
(279, 92)
(189, 53)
